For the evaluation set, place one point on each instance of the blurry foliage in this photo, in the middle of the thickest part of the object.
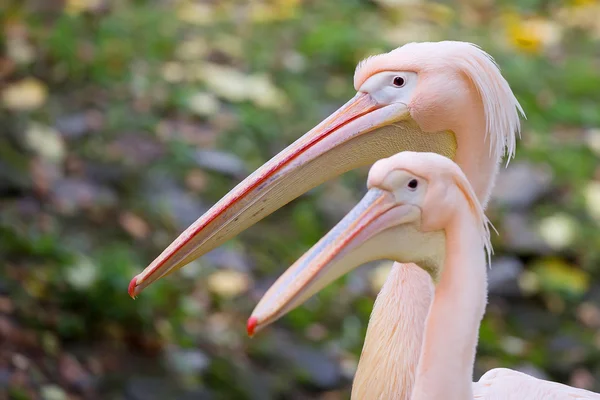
(123, 121)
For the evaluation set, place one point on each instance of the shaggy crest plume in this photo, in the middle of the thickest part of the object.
(500, 105)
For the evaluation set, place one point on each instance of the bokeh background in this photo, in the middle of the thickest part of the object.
(121, 122)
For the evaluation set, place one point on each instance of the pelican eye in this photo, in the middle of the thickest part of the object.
(413, 183)
(399, 81)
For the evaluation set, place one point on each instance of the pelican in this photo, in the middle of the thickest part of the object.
(419, 208)
(443, 97)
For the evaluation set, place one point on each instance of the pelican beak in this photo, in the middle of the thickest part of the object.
(377, 228)
(356, 135)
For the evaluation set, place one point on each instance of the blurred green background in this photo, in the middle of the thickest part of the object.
(121, 122)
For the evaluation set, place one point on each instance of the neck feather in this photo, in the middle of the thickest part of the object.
(394, 336)
(475, 157)
(451, 332)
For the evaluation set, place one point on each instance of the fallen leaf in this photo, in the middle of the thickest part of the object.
(6, 305)
(584, 15)
(134, 225)
(592, 138)
(71, 370)
(279, 10)
(558, 230)
(192, 49)
(226, 82)
(75, 7)
(25, 95)
(556, 276)
(398, 3)
(589, 314)
(173, 72)
(82, 274)
(592, 199)
(19, 50)
(532, 35)
(264, 93)
(196, 180)
(203, 104)
(53, 392)
(195, 13)
(228, 283)
(46, 142)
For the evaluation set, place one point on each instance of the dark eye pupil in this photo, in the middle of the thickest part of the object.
(413, 184)
(398, 81)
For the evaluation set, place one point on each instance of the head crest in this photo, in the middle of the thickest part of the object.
(500, 106)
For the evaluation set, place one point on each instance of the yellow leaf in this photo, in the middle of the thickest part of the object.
(25, 95)
(274, 11)
(592, 199)
(75, 7)
(228, 283)
(264, 93)
(225, 82)
(555, 275)
(532, 35)
(192, 49)
(583, 15)
(173, 72)
(195, 13)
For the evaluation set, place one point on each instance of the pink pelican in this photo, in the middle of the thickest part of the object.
(421, 209)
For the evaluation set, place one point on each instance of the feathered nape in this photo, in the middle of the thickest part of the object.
(484, 223)
(500, 105)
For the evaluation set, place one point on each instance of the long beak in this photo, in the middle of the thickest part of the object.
(358, 134)
(377, 228)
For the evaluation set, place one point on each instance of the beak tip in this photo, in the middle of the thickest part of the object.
(251, 325)
(132, 287)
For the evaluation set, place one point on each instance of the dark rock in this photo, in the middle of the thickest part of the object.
(73, 126)
(187, 361)
(567, 352)
(519, 235)
(73, 194)
(136, 149)
(168, 198)
(151, 388)
(228, 258)
(74, 374)
(4, 377)
(221, 162)
(521, 184)
(14, 166)
(111, 174)
(503, 276)
(319, 369)
(199, 394)
(532, 321)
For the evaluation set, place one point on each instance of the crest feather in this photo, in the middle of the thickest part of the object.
(501, 107)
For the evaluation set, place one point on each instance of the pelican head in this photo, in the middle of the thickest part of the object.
(444, 97)
(413, 198)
